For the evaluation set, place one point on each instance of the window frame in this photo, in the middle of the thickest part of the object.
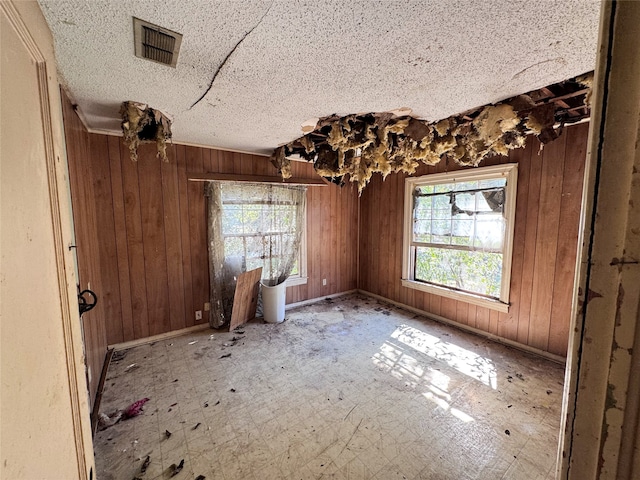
(301, 277)
(510, 173)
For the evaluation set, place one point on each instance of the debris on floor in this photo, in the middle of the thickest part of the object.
(176, 469)
(108, 420)
(118, 356)
(133, 410)
(399, 380)
(145, 464)
(133, 366)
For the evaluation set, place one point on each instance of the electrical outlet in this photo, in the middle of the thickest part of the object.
(324, 282)
(207, 307)
(198, 314)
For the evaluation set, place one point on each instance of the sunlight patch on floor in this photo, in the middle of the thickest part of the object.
(463, 360)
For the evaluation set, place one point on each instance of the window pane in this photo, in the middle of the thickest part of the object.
(441, 202)
(295, 272)
(465, 201)
(462, 233)
(252, 218)
(233, 247)
(232, 220)
(257, 246)
(471, 271)
(489, 232)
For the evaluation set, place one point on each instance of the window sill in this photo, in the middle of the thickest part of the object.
(463, 297)
(292, 282)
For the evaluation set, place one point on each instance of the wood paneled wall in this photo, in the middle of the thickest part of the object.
(141, 239)
(545, 245)
(91, 260)
(151, 225)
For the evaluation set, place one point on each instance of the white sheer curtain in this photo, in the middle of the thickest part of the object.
(250, 225)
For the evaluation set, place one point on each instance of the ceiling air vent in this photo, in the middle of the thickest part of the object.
(156, 43)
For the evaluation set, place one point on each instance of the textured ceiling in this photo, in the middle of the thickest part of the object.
(306, 59)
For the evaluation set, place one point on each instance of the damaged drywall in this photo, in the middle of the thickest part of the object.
(354, 147)
(143, 124)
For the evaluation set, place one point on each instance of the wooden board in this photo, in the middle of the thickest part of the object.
(245, 299)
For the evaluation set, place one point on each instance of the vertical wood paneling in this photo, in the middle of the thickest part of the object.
(87, 242)
(523, 158)
(106, 248)
(528, 260)
(185, 234)
(567, 238)
(334, 228)
(545, 245)
(135, 244)
(471, 318)
(151, 233)
(198, 234)
(158, 213)
(173, 243)
(122, 249)
(155, 253)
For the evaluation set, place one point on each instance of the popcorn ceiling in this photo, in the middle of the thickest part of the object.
(311, 59)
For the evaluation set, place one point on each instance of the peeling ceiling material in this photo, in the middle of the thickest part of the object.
(357, 146)
(142, 124)
(278, 63)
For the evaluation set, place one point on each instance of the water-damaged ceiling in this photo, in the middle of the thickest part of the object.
(280, 63)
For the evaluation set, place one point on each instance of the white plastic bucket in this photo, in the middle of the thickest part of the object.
(273, 299)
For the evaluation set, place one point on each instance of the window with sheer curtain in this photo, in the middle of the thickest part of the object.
(253, 225)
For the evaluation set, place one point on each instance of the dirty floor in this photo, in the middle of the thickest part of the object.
(349, 388)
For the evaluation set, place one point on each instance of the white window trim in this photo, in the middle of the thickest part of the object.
(510, 172)
(301, 278)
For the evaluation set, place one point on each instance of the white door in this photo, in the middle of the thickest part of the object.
(45, 427)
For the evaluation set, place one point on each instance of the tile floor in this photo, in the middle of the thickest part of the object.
(349, 388)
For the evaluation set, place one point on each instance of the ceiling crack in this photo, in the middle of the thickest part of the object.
(213, 79)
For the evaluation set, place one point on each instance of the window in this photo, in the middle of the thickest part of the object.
(255, 225)
(458, 234)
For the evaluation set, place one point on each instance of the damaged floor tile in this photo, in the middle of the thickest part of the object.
(341, 389)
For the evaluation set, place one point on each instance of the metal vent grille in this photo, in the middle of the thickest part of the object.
(156, 43)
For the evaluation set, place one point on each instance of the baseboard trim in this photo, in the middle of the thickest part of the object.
(437, 318)
(96, 402)
(196, 328)
(317, 299)
(156, 338)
